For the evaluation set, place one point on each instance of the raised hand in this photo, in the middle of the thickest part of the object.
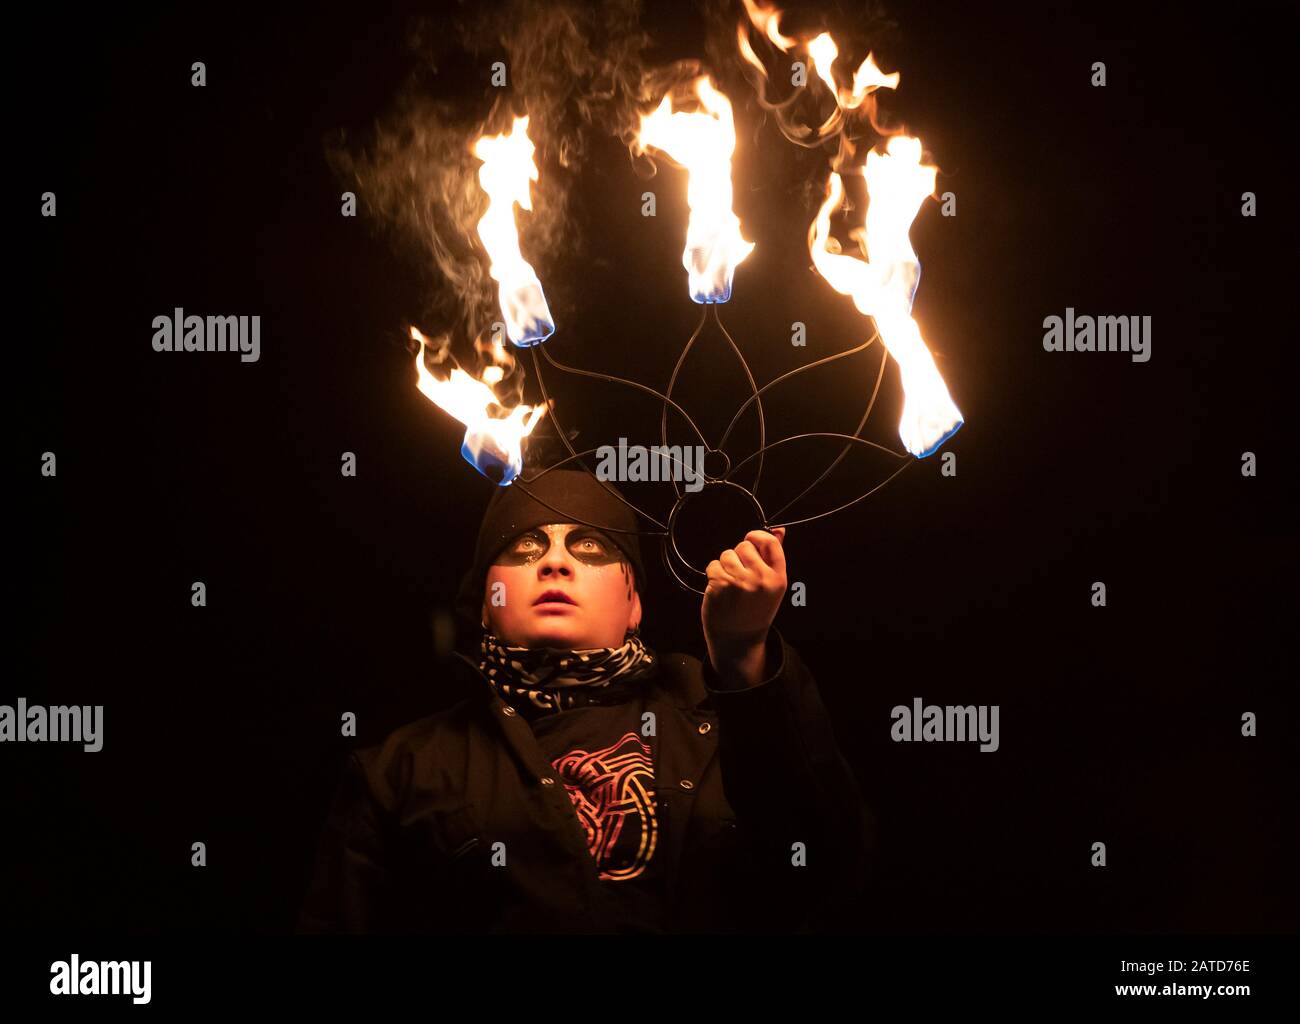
(746, 585)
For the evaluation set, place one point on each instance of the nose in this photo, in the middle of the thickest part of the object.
(556, 561)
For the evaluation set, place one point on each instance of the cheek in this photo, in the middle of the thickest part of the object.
(611, 587)
(510, 584)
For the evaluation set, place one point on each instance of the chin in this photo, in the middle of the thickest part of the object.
(557, 634)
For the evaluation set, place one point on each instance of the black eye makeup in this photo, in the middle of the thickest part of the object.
(586, 544)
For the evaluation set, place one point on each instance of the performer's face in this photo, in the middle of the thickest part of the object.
(578, 561)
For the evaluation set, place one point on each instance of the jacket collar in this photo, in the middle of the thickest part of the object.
(470, 677)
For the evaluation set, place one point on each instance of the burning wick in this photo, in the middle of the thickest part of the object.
(703, 142)
(493, 445)
(507, 169)
(897, 183)
(884, 284)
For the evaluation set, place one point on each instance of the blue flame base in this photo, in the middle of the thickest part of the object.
(939, 443)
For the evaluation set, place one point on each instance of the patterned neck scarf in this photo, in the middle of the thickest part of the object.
(539, 680)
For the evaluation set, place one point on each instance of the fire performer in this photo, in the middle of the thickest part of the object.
(586, 783)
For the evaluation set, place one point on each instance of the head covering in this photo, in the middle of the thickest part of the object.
(576, 496)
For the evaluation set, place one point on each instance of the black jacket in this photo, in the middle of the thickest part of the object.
(741, 777)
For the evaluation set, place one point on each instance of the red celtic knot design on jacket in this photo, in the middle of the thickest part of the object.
(613, 794)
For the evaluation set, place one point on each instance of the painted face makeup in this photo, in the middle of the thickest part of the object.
(586, 544)
(561, 585)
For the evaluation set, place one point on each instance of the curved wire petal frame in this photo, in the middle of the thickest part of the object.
(664, 532)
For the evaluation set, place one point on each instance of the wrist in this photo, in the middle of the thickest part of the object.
(739, 660)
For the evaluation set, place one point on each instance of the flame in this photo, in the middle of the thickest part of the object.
(765, 20)
(866, 79)
(897, 184)
(507, 169)
(855, 100)
(493, 446)
(703, 142)
(823, 52)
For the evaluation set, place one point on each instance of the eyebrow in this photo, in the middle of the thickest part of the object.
(578, 530)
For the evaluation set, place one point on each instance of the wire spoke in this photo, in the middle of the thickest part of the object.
(672, 569)
(880, 375)
(851, 438)
(537, 368)
(792, 373)
(664, 534)
(622, 380)
(809, 519)
(672, 383)
(519, 482)
(762, 423)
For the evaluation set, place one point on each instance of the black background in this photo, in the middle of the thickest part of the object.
(1119, 724)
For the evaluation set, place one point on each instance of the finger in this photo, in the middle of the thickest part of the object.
(718, 579)
(770, 547)
(750, 558)
(732, 564)
(716, 573)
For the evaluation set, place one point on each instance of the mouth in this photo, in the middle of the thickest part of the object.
(555, 599)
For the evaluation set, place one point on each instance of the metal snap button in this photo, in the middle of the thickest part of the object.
(687, 784)
(507, 709)
(547, 781)
(704, 727)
